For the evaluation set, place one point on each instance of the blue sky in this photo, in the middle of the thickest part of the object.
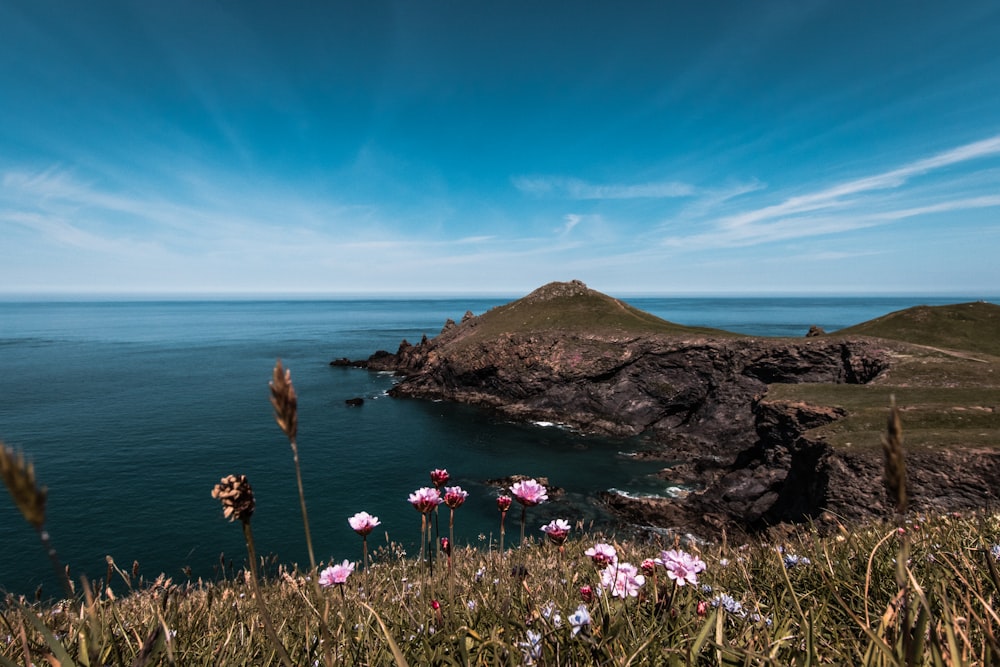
(667, 147)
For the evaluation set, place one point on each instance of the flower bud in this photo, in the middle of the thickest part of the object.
(503, 503)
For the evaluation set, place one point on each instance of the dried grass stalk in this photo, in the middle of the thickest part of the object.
(19, 478)
(286, 413)
(895, 465)
(284, 401)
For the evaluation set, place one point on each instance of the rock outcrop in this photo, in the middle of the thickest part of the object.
(699, 398)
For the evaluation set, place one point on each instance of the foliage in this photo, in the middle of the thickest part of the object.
(808, 600)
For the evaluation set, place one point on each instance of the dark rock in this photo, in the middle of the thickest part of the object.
(699, 399)
(355, 402)
(815, 331)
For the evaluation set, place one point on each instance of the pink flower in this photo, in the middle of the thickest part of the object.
(702, 608)
(529, 492)
(647, 567)
(336, 574)
(681, 566)
(439, 477)
(602, 554)
(454, 496)
(503, 503)
(425, 499)
(363, 523)
(586, 593)
(446, 546)
(557, 530)
(623, 580)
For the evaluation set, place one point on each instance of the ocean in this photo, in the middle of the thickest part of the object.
(133, 410)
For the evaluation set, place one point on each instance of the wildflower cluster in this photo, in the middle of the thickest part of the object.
(682, 567)
(336, 575)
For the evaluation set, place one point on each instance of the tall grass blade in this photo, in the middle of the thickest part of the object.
(397, 655)
(59, 651)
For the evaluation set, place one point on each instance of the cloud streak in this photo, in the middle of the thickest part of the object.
(573, 188)
(847, 206)
(895, 178)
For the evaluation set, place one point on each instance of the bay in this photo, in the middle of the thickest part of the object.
(132, 410)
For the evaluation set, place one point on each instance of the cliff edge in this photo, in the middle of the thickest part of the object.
(701, 398)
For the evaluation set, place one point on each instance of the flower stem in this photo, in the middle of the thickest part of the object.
(431, 547)
(423, 534)
(451, 546)
(503, 515)
(524, 515)
(451, 532)
(268, 626)
(302, 501)
(50, 551)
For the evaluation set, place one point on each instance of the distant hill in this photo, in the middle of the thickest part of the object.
(971, 327)
(769, 430)
(572, 307)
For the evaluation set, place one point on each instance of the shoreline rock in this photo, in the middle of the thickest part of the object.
(699, 399)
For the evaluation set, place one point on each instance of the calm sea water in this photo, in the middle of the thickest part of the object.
(132, 411)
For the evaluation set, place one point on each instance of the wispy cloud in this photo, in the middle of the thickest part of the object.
(572, 188)
(943, 207)
(895, 178)
(854, 204)
(837, 255)
(571, 220)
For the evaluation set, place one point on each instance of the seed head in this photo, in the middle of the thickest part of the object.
(285, 401)
(895, 465)
(19, 478)
(237, 497)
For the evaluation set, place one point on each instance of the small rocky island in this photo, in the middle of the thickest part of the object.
(766, 432)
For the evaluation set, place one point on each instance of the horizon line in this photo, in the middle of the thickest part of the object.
(387, 295)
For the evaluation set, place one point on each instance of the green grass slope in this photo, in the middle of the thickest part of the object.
(945, 375)
(573, 308)
(973, 327)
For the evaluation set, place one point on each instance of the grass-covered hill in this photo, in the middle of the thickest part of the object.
(970, 327)
(944, 374)
(573, 308)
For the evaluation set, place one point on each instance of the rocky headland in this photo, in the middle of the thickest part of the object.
(707, 403)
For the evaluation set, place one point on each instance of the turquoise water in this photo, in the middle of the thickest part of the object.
(132, 411)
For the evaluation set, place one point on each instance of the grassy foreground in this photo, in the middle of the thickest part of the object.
(810, 601)
(919, 590)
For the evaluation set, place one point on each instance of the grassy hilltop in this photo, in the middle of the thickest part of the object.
(575, 309)
(945, 375)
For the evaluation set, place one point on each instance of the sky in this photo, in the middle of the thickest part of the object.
(661, 147)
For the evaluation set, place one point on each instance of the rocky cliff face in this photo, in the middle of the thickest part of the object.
(700, 401)
(625, 386)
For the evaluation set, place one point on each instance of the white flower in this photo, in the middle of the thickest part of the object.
(579, 619)
(532, 647)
